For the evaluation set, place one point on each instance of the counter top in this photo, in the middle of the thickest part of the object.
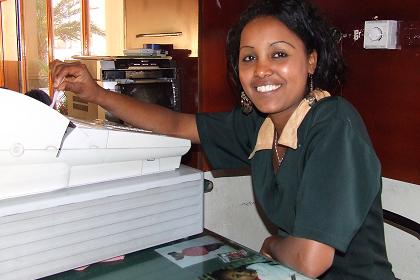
(206, 256)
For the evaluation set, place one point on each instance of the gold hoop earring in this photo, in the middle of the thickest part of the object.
(246, 104)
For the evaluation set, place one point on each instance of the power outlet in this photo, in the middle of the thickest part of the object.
(381, 34)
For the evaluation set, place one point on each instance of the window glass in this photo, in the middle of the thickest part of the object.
(9, 44)
(106, 27)
(67, 28)
(106, 35)
(36, 41)
(66, 37)
(97, 27)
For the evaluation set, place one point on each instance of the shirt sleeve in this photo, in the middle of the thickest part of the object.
(227, 138)
(340, 180)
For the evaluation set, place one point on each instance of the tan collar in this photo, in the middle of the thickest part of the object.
(288, 136)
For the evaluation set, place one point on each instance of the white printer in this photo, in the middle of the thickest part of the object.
(74, 193)
(42, 150)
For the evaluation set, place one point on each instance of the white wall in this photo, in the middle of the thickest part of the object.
(9, 30)
(162, 16)
(230, 211)
(403, 248)
(115, 27)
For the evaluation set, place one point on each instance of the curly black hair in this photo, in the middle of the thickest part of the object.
(304, 20)
(39, 95)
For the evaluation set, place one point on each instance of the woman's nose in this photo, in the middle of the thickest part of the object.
(262, 69)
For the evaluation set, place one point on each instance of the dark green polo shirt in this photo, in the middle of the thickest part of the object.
(327, 190)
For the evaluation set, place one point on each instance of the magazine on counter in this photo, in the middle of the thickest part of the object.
(254, 267)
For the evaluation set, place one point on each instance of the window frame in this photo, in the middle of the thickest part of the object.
(1, 49)
(23, 79)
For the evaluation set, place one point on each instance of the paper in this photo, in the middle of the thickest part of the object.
(194, 251)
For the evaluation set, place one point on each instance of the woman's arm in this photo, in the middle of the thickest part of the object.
(76, 78)
(307, 256)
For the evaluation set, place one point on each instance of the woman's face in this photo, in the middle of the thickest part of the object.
(240, 275)
(273, 65)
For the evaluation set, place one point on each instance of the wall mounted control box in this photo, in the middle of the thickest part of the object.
(381, 34)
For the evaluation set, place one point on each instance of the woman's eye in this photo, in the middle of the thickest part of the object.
(248, 58)
(279, 54)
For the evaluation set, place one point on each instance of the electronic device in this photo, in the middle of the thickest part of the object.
(41, 150)
(74, 193)
(148, 79)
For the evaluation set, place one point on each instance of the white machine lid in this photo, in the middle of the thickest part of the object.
(27, 123)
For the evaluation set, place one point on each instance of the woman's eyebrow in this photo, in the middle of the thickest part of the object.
(272, 44)
(282, 42)
(242, 47)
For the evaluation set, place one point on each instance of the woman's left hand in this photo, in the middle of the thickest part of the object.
(306, 256)
(265, 248)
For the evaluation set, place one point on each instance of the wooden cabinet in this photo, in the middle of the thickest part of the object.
(216, 17)
(215, 94)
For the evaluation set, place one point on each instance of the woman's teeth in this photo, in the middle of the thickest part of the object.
(267, 88)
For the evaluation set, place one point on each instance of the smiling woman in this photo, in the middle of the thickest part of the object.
(314, 170)
(272, 61)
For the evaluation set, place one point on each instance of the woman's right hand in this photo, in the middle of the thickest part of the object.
(76, 78)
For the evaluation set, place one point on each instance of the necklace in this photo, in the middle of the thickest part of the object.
(276, 139)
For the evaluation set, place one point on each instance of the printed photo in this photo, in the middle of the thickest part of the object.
(194, 251)
(254, 268)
